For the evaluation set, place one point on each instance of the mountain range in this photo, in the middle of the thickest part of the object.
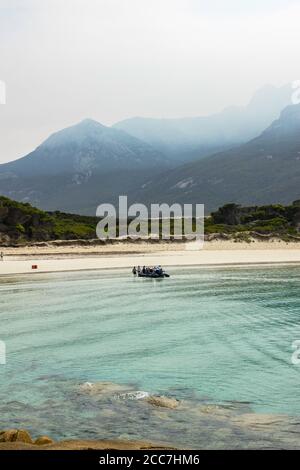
(79, 167)
(183, 140)
(247, 155)
(263, 171)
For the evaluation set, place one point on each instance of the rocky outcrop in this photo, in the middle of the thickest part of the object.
(20, 439)
(126, 392)
(87, 445)
(216, 236)
(15, 435)
(23, 436)
(43, 441)
(103, 388)
(163, 402)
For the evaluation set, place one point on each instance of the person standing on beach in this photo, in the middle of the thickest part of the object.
(1, 256)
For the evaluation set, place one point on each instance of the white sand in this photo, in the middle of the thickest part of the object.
(19, 261)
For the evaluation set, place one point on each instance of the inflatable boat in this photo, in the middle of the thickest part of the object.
(154, 275)
(151, 272)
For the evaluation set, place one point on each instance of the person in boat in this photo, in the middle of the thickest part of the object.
(158, 270)
(134, 271)
(139, 269)
(144, 270)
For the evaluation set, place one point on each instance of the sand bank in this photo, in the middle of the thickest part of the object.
(138, 247)
(123, 255)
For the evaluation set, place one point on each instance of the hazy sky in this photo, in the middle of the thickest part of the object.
(65, 60)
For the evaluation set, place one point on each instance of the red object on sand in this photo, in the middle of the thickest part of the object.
(34, 266)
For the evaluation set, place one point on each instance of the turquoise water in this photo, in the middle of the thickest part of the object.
(217, 336)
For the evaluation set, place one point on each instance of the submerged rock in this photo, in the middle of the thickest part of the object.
(126, 392)
(163, 402)
(103, 388)
(256, 420)
(136, 395)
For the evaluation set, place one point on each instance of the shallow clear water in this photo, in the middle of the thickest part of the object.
(220, 336)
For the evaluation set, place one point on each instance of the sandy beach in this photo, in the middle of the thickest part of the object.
(75, 257)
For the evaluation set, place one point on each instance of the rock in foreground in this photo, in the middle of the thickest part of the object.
(15, 435)
(163, 402)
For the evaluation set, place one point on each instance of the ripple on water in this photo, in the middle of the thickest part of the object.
(212, 338)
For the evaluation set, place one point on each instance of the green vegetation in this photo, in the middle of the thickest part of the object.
(274, 219)
(22, 223)
(69, 226)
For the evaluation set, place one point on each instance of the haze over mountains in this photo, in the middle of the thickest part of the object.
(84, 165)
(263, 171)
(187, 139)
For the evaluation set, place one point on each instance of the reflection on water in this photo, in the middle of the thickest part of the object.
(219, 340)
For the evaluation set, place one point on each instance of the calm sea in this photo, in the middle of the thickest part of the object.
(220, 340)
